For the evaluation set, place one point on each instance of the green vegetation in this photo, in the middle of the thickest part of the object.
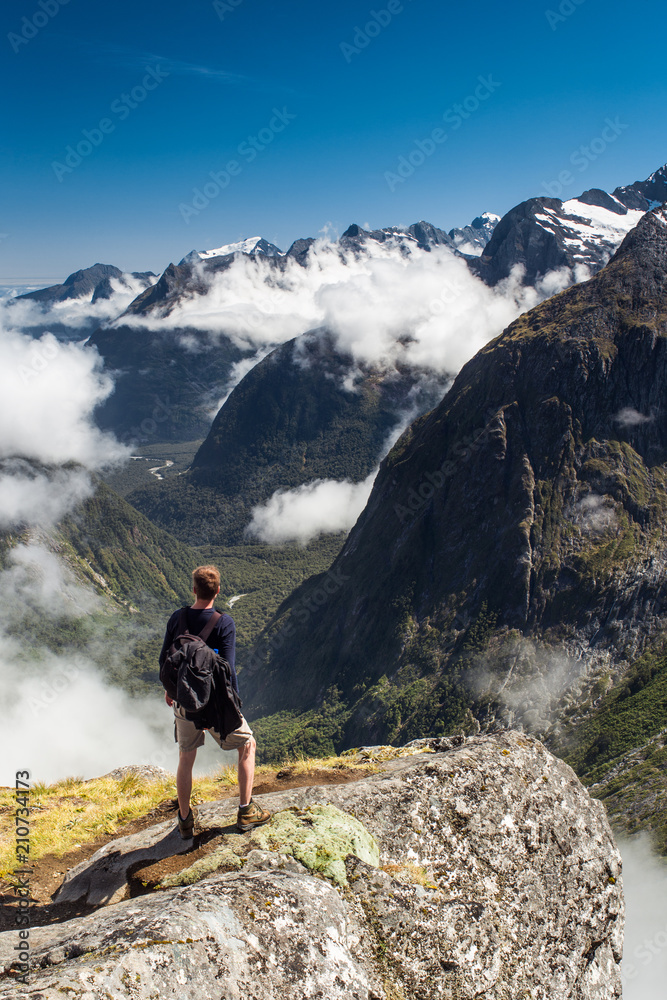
(222, 859)
(136, 473)
(163, 389)
(636, 798)
(627, 717)
(290, 421)
(320, 837)
(73, 812)
(316, 733)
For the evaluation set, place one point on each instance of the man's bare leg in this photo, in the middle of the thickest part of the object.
(186, 760)
(246, 771)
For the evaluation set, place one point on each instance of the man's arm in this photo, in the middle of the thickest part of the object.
(227, 637)
(168, 640)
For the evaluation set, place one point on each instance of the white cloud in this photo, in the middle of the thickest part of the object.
(48, 391)
(76, 314)
(595, 514)
(37, 578)
(238, 371)
(39, 499)
(644, 967)
(530, 683)
(321, 507)
(384, 307)
(628, 417)
(60, 716)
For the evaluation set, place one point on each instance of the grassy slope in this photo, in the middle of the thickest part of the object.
(73, 812)
(621, 750)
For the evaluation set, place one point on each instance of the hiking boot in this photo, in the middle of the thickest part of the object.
(187, 825)
(251, 816)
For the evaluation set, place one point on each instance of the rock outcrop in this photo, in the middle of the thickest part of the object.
(485, 869)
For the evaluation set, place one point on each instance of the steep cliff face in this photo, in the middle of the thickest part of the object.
(530, 503)
(547, 234)
(305, 412)
(166, 381)
(480, 869)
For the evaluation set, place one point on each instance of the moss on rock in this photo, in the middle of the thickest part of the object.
(222, 859)
(320, 837)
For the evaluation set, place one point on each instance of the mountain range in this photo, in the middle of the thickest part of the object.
(509, 566)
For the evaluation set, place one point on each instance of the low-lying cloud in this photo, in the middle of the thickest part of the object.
(48, 392)
(324, 506)
(60, 715)
(79, 316)
(384, 307)
(644, 966)
(629, 417)
(36, 498)
(527, 683)
(595, 514)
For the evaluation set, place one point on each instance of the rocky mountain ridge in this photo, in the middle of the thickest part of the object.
(92, 283)
(512, 549)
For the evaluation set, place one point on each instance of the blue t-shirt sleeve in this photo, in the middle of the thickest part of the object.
(169, 636)
(227, 638)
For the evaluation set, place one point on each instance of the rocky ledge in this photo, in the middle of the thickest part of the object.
(481, 869)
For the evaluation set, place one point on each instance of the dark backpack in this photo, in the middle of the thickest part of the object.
(200, 679)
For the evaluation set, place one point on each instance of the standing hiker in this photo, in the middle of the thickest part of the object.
(219, 633)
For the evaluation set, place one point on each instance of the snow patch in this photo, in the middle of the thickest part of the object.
(601, 222)
(243, 246)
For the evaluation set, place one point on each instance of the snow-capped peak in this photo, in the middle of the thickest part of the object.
(253, 245)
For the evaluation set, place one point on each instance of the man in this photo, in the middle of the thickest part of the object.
(206, 587)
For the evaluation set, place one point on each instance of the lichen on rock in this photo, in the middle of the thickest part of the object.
(320, 837)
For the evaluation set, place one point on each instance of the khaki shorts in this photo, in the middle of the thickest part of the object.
(190, 738)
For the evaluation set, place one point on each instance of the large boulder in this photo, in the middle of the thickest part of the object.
(483, 869)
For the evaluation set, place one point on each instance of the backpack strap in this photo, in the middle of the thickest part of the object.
(182, 621)
(210, 625)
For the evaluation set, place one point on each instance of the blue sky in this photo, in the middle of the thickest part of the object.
(148, 99)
